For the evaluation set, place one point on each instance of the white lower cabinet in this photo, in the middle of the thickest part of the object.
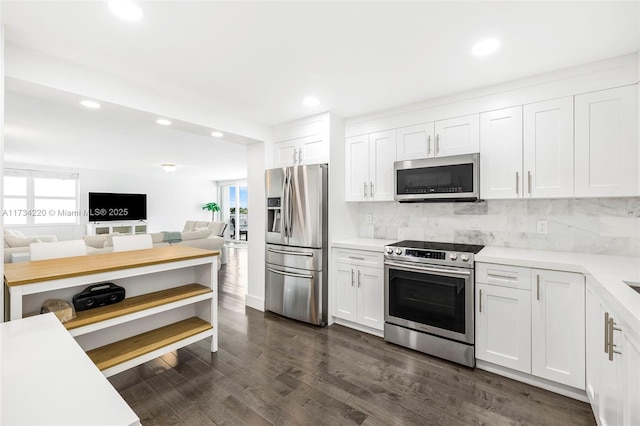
(504, 317)
(532, 321)
(358, 288)
(613, 359)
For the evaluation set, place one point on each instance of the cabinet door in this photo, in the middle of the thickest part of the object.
(414, 142)
(460, 135)
(548, 148)
(606, 143)
(370, 297)
(382, 154)
(558, 327)
(344, 282)
(501, 154)
(503, 326)
(313, 149)
(610, 408)
(285, 153)
(357, 164)
(630, 360)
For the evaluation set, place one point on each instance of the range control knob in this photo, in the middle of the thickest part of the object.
(453, 256)
(398, 250)
(389, 250)
(465, 257)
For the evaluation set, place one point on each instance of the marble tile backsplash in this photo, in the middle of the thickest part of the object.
(595, 225)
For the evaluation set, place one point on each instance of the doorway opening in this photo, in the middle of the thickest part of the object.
(235, 209)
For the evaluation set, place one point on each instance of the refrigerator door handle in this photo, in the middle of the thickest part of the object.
(290, 204)
(294, 253)
(290, 274)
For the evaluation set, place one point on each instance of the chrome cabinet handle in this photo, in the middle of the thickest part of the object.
(437, 147)
(480, 300)
(355, 257)
(359, 273)
(529, 181)
(365, 190)
(299, 155)
(606, 332)
(428, 145)
(506, 277)
(371, 189)
(538, 287)
(612, 327)
(294, 155)
(517, 183)
(352, 278)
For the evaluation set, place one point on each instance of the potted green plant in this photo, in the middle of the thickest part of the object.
(213, 208)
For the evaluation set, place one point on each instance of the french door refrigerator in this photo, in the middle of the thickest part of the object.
(296, 242)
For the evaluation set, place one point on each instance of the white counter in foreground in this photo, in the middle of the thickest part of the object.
(368, 244)
(47, 379)
(610, 271)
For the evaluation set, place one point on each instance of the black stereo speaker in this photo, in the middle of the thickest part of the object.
(98, 295)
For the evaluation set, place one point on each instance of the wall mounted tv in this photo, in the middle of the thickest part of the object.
(109, 207)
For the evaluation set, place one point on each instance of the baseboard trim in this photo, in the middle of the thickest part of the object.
(254, 302)
(359, 327)
(559, 388)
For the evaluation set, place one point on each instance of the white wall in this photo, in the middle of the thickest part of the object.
(257, 223)
(171, 200)
(39, 68)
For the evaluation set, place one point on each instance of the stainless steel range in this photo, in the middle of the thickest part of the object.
(429, 298)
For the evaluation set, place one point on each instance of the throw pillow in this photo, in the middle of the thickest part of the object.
(15, 241)
(195, 235)
(202, 229)
(96, 241)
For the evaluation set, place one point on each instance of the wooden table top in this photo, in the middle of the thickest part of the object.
(44, 270)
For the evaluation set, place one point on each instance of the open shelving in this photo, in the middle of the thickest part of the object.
(171, 301)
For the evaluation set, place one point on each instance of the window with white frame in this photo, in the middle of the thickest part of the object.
(36, 197)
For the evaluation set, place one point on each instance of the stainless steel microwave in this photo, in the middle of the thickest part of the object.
(454, 178)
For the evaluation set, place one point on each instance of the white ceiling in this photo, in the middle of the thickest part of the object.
(259, 59)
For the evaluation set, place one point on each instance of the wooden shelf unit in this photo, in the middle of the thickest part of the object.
(118, 353)
(102, 228)
(171, 301)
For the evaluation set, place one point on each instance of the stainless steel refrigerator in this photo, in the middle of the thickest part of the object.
(296, 237)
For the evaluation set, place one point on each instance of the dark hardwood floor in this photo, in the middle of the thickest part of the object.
(271, 370)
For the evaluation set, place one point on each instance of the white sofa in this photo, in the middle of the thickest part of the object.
(202, 235)
(17, 242)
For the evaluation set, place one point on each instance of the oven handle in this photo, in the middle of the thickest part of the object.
(428, 269)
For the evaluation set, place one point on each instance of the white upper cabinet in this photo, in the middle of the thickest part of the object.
(606, 133)
(369, 166)
(357, 164)
(501, 153)
(527, 152)
(415, 142)
(548, 148)
(454, 136)
(306, 150)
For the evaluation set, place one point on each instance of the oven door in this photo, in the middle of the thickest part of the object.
(434, 299)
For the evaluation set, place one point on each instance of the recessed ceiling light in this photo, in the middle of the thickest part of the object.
(168, 167)
(485, 47)
(90, 104)
(217, 134)
(127, 10)
(163, 122)
(311, 101)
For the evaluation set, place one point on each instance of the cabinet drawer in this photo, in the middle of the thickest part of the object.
(504, 275)
(358, 257)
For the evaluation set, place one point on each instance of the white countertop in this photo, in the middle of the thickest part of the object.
(47, 379)
(367, 244)
(609, 271)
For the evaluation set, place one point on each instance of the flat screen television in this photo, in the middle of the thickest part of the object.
(115, 207)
